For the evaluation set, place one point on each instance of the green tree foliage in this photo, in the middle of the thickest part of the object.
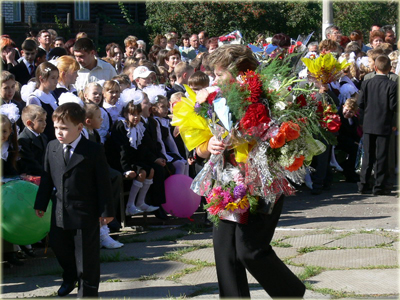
(216, 17)
(361, 15)
(293, 18)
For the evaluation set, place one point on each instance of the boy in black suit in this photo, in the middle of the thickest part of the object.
(25, 69)
(378, 102)
(32, 140)
(78, 169)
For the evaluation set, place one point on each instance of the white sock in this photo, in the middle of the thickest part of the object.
(333, 157)
(104, 230)
(143, 191)
(136, 186)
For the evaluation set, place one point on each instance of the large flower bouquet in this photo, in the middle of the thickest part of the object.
(269, 122)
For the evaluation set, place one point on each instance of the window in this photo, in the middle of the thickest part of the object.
(17, 11)
(82, 11)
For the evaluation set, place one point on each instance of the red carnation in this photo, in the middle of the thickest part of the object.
(320, 109)
(254, 86)
(301, 100)
(211, 97)
(333, 123)
(256, 113)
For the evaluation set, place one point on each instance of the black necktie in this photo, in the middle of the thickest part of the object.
(30, 69)
(67, 154)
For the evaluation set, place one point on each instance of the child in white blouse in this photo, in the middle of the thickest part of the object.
(46, 82)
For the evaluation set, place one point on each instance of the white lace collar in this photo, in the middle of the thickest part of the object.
(134, 134)
(46, 98)
(4, 150)
(116, 105)
(163, 121)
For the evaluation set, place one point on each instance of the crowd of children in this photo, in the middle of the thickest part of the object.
(43, 107)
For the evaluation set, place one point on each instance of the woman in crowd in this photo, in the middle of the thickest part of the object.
(238, 247)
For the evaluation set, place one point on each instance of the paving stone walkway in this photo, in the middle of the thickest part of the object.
(175, 260)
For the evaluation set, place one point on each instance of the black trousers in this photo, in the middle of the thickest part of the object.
(376, 151)
(238, 247)
(321, 163)
(78, 253)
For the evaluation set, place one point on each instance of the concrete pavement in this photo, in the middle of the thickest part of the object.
(343, 245)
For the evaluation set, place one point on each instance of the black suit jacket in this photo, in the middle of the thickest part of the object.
(32, 152)
(83, 187)
(21, 73)
(175, 88)
(377, 101)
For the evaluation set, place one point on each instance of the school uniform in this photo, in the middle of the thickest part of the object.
(123, 148)
(83, 194)
(176, 88)
(23, 71)
(61, 88)
(378, 103)
(49, 104)
(20, 105)
(347, 139)
(33, 147)
(7, 167)
(152, 143)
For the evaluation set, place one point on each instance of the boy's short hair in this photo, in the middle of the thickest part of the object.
(382, 63)
(31, 112)
(172, 76)
(90, 109)
(40, 53)
(70, 111)
(29, 45)
(42, 31)
(351, 103)
(182, 68)
(199, 79)
(6, 76)
(59, 38)
(84, 44)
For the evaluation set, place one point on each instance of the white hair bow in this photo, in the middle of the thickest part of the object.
(11, 111)
(70, 97)
(129, 95)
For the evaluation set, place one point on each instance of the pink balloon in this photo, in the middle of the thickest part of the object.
(181, 201)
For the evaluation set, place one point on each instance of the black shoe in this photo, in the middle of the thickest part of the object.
(161, 214)
(316, 191)
(364, 188)
(381, 193)
(114, 226)
(29, 252)
(20, 254)
(13, 259)
(66, 288)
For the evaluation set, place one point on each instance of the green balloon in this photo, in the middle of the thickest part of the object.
(20, 224)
